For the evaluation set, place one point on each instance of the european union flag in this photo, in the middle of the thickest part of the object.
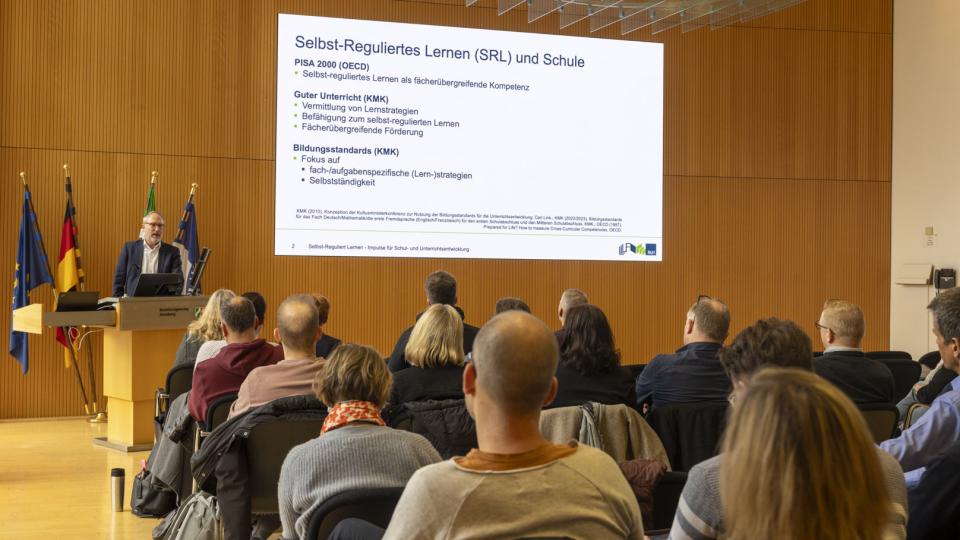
(32, 271)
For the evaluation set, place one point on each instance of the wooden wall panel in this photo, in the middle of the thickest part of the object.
(776, 188)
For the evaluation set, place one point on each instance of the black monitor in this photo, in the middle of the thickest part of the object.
(77, 301)
(159, 285)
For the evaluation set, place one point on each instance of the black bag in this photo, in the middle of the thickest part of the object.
(148, 500)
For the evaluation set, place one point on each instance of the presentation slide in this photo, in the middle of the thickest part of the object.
(402, 140)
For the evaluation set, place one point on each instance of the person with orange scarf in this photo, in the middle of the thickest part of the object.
(355, 449)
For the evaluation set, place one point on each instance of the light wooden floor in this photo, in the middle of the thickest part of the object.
(54, 483)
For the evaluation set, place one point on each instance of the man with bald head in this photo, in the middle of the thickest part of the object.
(298, 329)
(245, 351)
(516, 484)
(693, 373)
(149, 255)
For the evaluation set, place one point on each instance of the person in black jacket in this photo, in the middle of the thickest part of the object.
(441, 288)
(843, 363)
(435, 353)
(589, 367)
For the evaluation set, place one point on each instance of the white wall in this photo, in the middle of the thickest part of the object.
(926, 157)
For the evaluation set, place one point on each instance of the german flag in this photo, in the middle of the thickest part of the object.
(69, 271)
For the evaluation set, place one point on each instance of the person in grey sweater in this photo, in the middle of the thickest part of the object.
(355, 450)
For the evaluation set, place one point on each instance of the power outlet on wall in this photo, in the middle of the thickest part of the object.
(930, 237)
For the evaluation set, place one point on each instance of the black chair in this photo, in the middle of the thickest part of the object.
(914, 413)
(690, 432)
(880, 355)
(666, 498)
(217, 413)
(179, 381)
(267, 446)
(905, 372)
(931, 359)
(881, 419)
(374, 505)
(635, 370)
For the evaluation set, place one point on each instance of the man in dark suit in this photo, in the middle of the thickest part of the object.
(843, 363)
(441, 288)
(149, 255)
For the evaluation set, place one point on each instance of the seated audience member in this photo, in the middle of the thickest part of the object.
(441, 288)
(509, 303)
(568, 299)
(354, 450)
(206, 328)
(768, 342)
(435, 353)
(210, 349)
(933, 503)
(939, 428)
(843, 363)
(589, 367)
(297, 329)
(799, 462)
(224, 373)
(327, 343)
(692, 374)
(517, 484)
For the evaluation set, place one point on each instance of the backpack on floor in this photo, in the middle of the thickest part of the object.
(198, 518)
(147, 499)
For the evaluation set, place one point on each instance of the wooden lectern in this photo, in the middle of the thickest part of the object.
(140, 341)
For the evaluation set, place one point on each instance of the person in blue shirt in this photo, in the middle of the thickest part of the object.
(693, 374)
(939, 428)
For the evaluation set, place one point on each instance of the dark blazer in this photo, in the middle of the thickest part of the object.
(691, 375)
(326, 345)
(575, 388)
(418, 384)
(863, 379)
(127, 274)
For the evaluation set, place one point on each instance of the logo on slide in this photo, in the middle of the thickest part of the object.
(639, 249)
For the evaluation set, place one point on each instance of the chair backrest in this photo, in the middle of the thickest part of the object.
(690, 432)
(374, 505)
(635, 370)
(877, 355)
(931, 359)
(915, 411)
(905, 372)
(218, 411)
(179, 381)
(666, 498)
(267, 446)
(881, 419)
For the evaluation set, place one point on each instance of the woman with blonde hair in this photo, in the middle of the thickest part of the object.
(355, 450)
(205, 328)
(435, 352)
(799, 462)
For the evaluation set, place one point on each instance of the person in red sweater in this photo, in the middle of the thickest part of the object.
(224, 373)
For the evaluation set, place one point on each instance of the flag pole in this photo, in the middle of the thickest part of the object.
(97, 415)
(76, 370)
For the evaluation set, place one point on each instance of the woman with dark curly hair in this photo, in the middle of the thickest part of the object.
(589, 368)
